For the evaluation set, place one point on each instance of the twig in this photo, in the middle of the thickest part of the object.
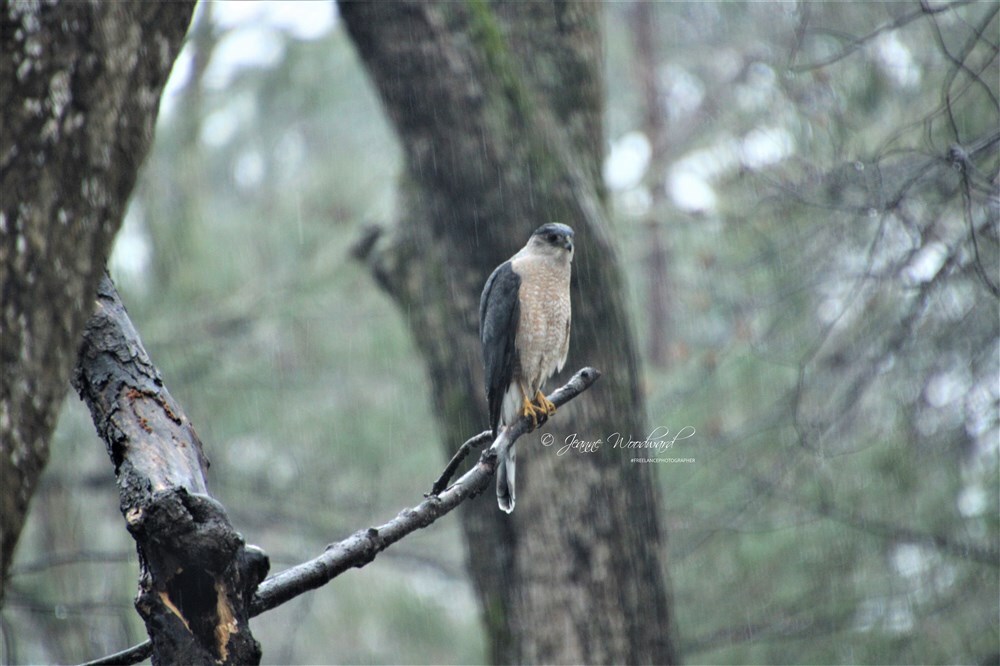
(63, 559)
(132, 655)
(456, 460)
(573, 388)
(857, 43)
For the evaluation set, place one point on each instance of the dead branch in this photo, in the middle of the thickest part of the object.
(456, 460)
(196, 574)
(580, 382)
(361, 547)
(160, 468)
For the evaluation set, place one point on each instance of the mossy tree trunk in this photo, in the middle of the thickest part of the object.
(499, 110)
(81, 89)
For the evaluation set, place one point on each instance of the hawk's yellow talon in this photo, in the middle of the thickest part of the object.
(529, 409)
(545, 404)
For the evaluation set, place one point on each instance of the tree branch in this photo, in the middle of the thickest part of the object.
(361, 547)
(858, 42)
(456, 460)
(111, 350)
(196, 574)
(586, 377)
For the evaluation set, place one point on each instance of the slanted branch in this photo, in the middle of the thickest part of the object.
(361, 547)
(199, 581)
(579, 383)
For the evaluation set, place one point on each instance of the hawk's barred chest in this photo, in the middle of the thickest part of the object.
(543, 328)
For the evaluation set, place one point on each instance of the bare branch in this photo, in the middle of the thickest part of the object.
(857, 43)
(132, 655)
(965, 165)
(361, 547)
(52, 561)
(456, 460)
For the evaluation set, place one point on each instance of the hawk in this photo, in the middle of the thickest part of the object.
(524, 322)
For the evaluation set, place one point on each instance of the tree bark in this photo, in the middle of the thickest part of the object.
(197, 577)
(81, 89)
(499, 109)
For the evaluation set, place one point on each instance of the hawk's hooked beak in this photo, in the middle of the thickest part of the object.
(568, 243)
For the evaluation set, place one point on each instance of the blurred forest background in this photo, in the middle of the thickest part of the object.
(807, 200)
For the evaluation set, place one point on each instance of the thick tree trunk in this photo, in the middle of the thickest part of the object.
(81, 88)
(499, 110)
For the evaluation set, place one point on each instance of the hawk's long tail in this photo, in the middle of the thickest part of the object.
(505, 480)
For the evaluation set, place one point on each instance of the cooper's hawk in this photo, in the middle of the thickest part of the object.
(524, 320)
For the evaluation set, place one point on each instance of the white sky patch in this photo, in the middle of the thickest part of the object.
(218, 128)
(253, 38)
(133, 251)
(248, 170)
(221, 125)
(895, 60)
(683, 92)
(691, 192)
(830, 309)
(972, 501)
(301, 19)
(765, 146)
(689, 182)
(248, 48)
(711, 162)
(176, 81)
(947, 387)
(926, 263)
(627, 161)
(759, 89)
(909, 560)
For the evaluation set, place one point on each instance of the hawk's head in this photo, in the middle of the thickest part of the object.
(553, 239)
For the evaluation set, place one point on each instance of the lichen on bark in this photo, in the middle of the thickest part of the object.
(82, 83)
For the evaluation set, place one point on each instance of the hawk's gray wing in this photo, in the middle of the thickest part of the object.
(499, 312)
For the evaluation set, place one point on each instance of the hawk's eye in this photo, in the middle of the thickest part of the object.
(553, 238)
